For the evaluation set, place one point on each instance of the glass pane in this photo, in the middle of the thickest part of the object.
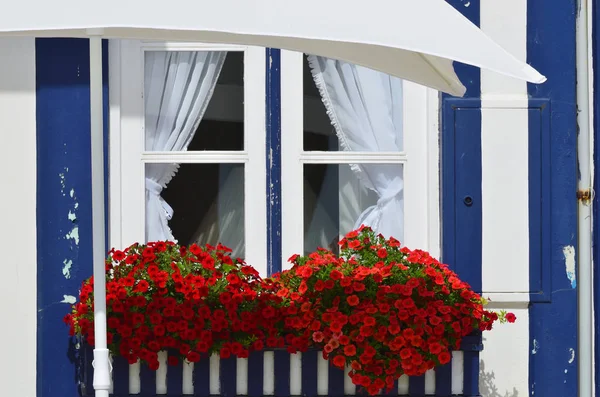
(207, 202)
(194, 100)
(338, 198)
(366, 104)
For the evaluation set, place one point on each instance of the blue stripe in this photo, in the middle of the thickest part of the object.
(228, 377)
(552, 327)
(282, 373)
(255, 374)
(175, 379)
(63, 166)
(273, 150)
(147, 380)
(461, 169)
(416, 385)
(120, 376)
(202, 377)
(471, 373)
(443, 380)
(309, 373)
(336, 381)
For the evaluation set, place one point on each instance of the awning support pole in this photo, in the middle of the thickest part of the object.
(101, 354)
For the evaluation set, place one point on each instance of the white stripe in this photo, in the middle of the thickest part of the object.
(322, 376)
(403, 385)
(349, 387)
(161, 373)
(430, 382)
(242, 376)
(134, 378)
(458, 372)
(296, 374)
(505, 200)
(188, 378)
(269, 370)
(215, 371)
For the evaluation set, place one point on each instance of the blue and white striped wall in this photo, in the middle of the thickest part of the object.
(509, 146)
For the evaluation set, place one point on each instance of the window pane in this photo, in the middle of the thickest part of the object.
(339, 198)
(207, 202)
(366, 106)
(194, 100)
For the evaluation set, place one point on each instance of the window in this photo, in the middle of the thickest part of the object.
(172, 177)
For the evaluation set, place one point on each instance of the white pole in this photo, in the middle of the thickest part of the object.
(584, 147)
(101, 356)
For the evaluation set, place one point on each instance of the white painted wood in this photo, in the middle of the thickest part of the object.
(403, 385)
(188, 378)
(458, 372)
(343, 157)
(161, 373)
(18, 299)
(296, 374)
(349, 387)
(322, 375)
(433, 173)
(214, 375)
(292, 113)
(242, 376)
(268, 371)
(135, 386)
(430, 382)
(504, 363)
(204, 157)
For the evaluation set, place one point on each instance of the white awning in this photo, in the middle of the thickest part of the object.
(413, 39)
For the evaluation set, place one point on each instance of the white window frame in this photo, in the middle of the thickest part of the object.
(420, 161)
(128, 158)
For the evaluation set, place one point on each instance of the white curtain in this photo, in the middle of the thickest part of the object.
(365, 108)
(177, 89)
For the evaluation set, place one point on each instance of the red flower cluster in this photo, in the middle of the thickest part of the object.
(190, 302)
(379, 308)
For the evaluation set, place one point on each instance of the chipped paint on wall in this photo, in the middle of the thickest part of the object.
(569, 253)
(572, 352)
(536, 346)
(67, 263)
(70, 299)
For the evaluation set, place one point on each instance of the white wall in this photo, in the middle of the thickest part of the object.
(18, 308)
(505, 217)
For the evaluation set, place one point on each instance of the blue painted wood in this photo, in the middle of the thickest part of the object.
(461, 170)
(309, 373)
(471, 373)
(273, 150)
(175, 379)
(255, 374)
(201, 377)
(336, 381)
(147, 380)
(282, 373)
(540, 211)
(228, 377)
(120, 376)
(553, 327)
(443, 380)
(416, 385)
(63, 172)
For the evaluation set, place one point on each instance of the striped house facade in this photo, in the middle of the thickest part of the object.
(507, 172)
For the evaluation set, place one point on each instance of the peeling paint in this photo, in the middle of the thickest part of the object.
(72, 193)
(73, 235)
(569, 253)
(72, 217)
(67, 263)
(70, 299)
(536, 346)
(572, 351)
(467, 4)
